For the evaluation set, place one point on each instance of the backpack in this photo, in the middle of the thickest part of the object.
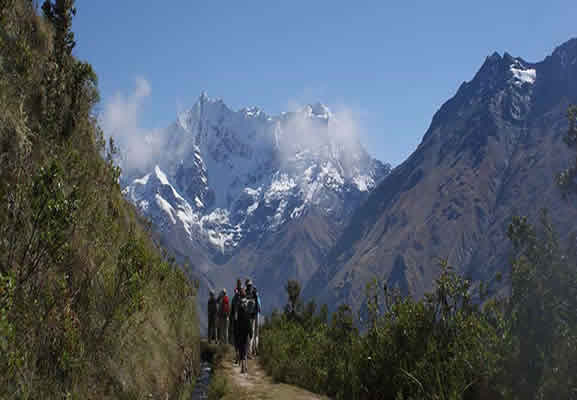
(224, 307)
(212, 306)
(248, 306)
(235, 305)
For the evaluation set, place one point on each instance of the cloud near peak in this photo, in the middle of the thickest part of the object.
(121, 121)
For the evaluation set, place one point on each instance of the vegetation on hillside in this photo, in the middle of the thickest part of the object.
(567, 178)
(434, 348)
(89, 307)
(456, 342)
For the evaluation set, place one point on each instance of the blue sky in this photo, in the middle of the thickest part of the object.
(393, 63)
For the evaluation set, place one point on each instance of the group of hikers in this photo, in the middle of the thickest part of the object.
(236, 321)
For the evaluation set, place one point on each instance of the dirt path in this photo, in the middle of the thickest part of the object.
(257, 385)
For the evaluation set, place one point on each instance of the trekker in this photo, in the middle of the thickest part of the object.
(253, 312)
(244, 331)
(212, 309)
(255, 328)
(218, 304)
(234, 316)
(223, 314)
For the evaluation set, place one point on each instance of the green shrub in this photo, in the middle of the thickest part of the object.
(446, 345)
(438, 347)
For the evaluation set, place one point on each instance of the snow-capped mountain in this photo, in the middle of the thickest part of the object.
(223, 176)
(295, 196)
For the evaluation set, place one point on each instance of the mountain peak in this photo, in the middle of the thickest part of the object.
(570, 46)
(204, 99)
(505, 82)
(202, 106)
(318, 110)
(161, 176)
(566, 53)
(493, 58)
(495, 63)
(492, 66)
(242, 173)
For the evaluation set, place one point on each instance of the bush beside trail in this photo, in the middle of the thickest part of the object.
(444, 346)
(435, 348)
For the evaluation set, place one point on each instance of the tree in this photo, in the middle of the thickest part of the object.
(293, 289)
(542, 313)
(69, 85)
(60, 14)
(342, 326)
(566, 179)
(323, 315)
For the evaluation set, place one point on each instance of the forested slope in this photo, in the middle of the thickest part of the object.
(89, 307)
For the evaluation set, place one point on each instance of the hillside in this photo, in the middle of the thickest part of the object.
(89, 306)
(491, 152)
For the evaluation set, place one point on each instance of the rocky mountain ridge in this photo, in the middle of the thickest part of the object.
(491, 152)
(227, 175)
(228, 188)
(294, 196)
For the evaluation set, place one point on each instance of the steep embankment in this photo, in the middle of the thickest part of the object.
(89, 308)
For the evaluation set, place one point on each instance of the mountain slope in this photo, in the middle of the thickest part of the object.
(242, 194)
(491, 151)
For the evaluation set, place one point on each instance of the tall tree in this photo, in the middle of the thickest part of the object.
(60, 14)
(293, 289)
(567, 178)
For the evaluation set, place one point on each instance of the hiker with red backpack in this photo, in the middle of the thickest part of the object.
(223, 316)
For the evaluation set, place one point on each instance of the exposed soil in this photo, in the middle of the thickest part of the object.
(256, 384)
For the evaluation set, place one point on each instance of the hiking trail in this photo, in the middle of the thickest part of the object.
(258, 385)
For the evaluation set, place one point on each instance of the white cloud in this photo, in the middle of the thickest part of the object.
(121, 121)
(141, 148)
(142, 88)
(338, 136)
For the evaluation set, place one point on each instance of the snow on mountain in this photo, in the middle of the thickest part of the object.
(224, 175)
(521, 74)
